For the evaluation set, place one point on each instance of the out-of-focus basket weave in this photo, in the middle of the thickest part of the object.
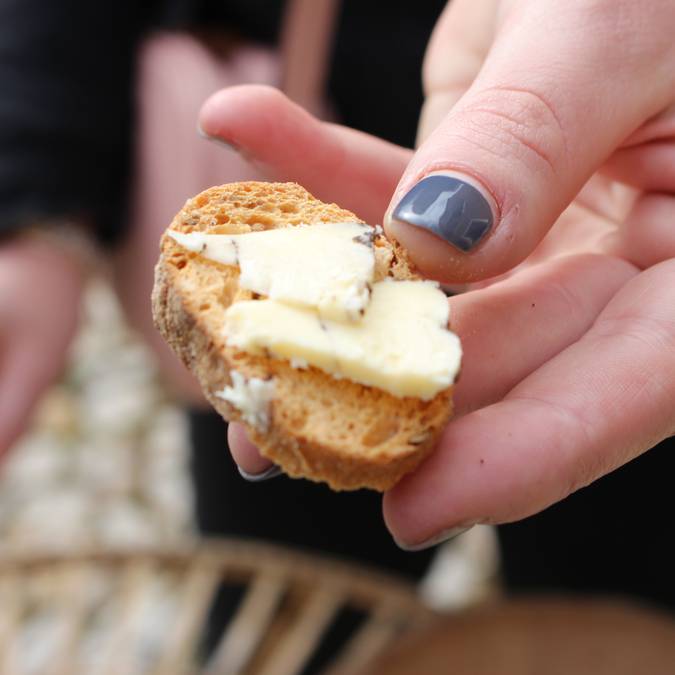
(131, 612)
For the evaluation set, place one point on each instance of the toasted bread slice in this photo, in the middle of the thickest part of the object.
(332, 430)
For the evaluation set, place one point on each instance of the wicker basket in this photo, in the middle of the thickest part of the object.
(132, 612)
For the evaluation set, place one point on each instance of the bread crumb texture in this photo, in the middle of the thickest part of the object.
(331, 430)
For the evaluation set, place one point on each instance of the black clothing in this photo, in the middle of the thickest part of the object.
(296, 512)
(66, 69)
(612, 537)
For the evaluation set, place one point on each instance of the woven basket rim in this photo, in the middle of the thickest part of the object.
(236, 555)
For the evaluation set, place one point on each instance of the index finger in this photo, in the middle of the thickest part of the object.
(283, 141)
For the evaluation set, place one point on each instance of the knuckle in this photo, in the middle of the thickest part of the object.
(523, 122)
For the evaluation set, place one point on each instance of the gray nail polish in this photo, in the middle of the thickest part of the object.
(440, 538)
(450, 208)
(215, 139)
(272, 472)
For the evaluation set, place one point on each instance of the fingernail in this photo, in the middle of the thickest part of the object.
(272, 472)
(449, 207)
(440, 538)
(216, 139)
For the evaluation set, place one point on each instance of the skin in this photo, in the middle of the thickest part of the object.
(40, 290)
(565, 114)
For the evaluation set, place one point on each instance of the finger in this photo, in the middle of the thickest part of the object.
(22, 381)
(647, 236)
(518, 146)
(334, 163)
(649, 167)
(244, 453)
(598, 404)
(647, 158)
(459, 44)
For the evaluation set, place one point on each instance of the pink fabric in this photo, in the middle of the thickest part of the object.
(176, 75)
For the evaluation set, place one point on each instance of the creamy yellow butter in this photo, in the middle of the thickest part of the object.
(401, 344)
(328, 266)
(322, 309)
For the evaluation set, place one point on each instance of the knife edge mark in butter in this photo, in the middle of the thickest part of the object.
(328, 266)
(401, 344)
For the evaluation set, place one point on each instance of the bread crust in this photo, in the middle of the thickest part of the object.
(345, 434)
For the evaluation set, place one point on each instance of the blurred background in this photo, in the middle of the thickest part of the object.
(104, 460)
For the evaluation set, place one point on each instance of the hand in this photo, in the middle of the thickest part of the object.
(40, 289)
(569, 369)
(527, 100)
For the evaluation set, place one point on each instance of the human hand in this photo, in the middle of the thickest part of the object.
(527, 100)
(40, 289)
(568, 368)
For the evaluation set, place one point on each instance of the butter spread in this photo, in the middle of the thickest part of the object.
(323, 309)
(328, 266)
(401, 343)
(251, 397)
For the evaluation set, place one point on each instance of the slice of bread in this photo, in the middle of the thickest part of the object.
(332, 430)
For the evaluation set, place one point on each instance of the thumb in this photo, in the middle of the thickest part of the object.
(558, 92)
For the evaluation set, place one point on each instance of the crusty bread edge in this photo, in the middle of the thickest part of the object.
(191, 337)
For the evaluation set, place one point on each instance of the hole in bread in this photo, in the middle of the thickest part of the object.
(227, 295)
(204, 307)
(221, 219)
(258, 219)
(180, 263)
(202, 200)
(381, 431)
(296, 419)
(288, 207)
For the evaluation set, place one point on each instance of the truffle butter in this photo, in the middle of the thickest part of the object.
(322, 309)
(401, 344)
(328, 266)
